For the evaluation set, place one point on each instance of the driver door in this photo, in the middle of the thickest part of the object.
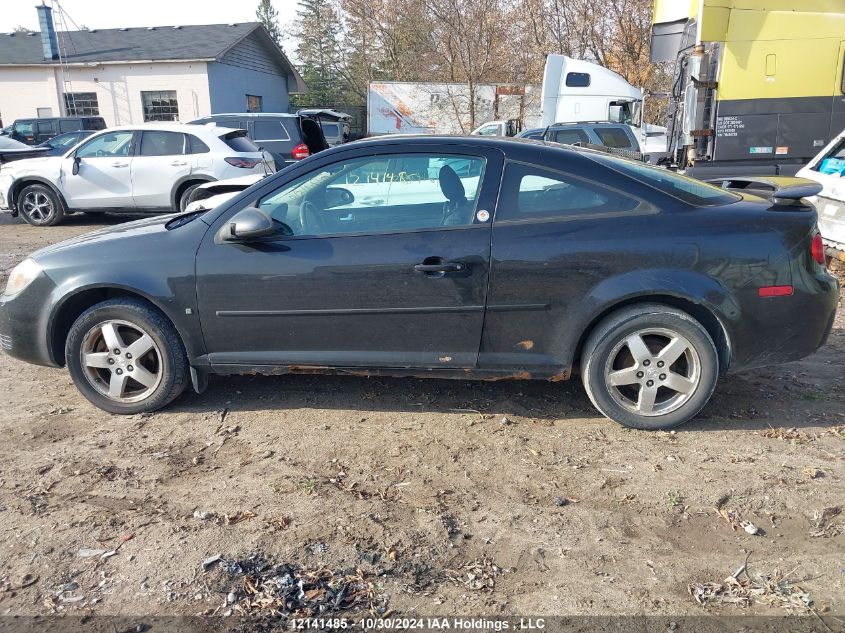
(376, 263)
(104, 179)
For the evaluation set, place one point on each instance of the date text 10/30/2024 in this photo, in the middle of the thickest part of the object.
(418, 624)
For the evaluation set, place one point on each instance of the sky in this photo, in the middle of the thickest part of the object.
(108, 14)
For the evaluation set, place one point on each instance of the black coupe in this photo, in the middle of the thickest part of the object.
(455, 257)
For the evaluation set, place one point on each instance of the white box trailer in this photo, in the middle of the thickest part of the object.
(444, 108)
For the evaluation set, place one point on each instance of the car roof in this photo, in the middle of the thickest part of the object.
(598, 124)
(249, 115)
(197, 130)
(55, 118)
(506, 144)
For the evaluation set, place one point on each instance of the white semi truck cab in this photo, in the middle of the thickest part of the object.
(577, 91)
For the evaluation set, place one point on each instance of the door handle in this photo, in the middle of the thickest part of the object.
(120, 164)
(435, 265)
(178, 163)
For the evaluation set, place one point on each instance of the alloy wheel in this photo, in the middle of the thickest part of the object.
(121, 361)
(653, 371)
(37, 206)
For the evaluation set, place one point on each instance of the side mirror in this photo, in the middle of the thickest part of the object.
(338, 196)
(75, 169)
(250, 223)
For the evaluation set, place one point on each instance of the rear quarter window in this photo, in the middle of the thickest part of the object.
(532, 192)
(689, 190)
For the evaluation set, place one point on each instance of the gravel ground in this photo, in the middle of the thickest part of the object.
(449, 497)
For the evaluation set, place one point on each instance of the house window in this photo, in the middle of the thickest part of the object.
(160, 105)
(81, 104)
(253, 103)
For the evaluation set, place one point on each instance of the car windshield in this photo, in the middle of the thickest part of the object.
(689, 190)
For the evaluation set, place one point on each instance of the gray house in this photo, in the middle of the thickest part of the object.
(132, 75)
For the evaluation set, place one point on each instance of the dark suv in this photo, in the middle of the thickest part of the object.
(288, 137)
(35, 131)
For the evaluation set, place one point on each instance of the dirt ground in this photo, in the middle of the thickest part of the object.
(452, 498)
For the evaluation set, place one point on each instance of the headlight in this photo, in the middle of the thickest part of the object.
(21, 276)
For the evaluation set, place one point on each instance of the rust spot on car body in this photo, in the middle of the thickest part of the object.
(520, 375)
(560, 376)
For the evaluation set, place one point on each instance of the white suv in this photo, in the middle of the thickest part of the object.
(146, 169)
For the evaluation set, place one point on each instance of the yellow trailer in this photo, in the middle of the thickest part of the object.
(759, 85)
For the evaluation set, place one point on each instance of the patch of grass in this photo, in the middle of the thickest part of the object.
(674, 499)
(308, 486)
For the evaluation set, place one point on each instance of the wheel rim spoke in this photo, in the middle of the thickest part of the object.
(146, 378)
(140, 347)
(674, 350)
(679, 383)
(627, 376)
(645, 402)
(97, 359)
(651, 383)
(112, 337)
(637, 347)
(117, 385)
(120, 372)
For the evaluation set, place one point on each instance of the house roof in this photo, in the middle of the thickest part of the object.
(195, 42)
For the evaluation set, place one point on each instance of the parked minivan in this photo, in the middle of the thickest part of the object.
(288, 137)
(35, 131)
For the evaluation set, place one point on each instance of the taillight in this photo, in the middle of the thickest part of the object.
(246, 163)
(301, 151)
(817, 249)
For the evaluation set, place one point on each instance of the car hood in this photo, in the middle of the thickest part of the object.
(33, 164)
(125, 231)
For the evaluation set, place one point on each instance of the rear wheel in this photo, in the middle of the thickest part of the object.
(649, 367)
(126, 357)
(39, 205)
(185, 196)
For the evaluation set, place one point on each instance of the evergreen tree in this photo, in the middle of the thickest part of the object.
(319, 29)
(268, 16)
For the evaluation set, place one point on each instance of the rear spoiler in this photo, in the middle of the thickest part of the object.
(778, 189)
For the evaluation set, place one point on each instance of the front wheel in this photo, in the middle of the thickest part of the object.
(126, 357)
(649, 367)
(40, 206)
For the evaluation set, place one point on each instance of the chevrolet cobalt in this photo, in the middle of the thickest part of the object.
(449, 257)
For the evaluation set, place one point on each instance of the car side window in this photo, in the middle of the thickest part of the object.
(377, 194)
(47, 128)
(269, 131)
(196, 146)
(570, 137)
(156, 143)
(530, 192)
(614, 137)
(109, 144)
(24, 129)
(833, 164)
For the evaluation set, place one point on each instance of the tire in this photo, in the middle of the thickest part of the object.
(620, 378)
(185, 196)
(39, 205)
(126, 383)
